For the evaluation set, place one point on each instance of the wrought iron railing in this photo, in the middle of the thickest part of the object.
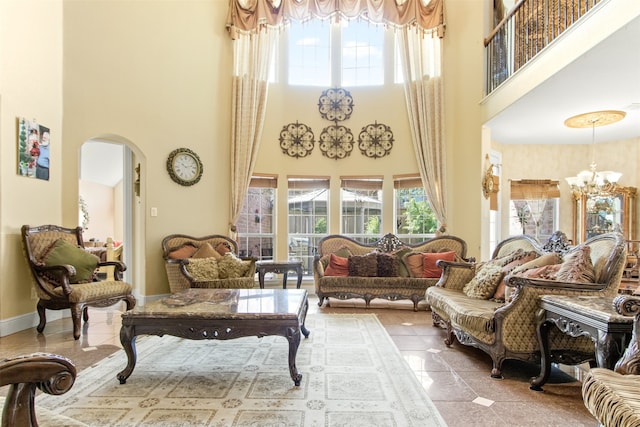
(526, 30)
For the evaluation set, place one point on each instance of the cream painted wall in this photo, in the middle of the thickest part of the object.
(100, 201)
(161, 89)
(30, 87)
(547, 161)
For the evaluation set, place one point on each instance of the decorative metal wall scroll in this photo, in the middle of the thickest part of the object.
(336, 142)
(375, 140)
(335, 104)
(296, 140)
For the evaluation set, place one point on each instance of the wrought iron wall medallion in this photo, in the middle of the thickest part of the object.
(296, 140)
(336, 142)
(335, 104)
(375, 140)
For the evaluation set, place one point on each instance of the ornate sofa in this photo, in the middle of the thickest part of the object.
(401, 284)
(507, 330)
(50, 373)
(613, 397)
(180, 250)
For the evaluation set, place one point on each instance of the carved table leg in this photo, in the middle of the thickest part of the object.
(608, 349)
(284, 279)
(128, 341)
(545, 356)
(299, 272)
(293, 336)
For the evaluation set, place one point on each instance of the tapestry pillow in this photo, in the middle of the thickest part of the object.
(232, 267)
(400, 265)
(364, 265)
(484, 283)
(63, 252)
(206, 251)
(338, 266)
(413, 262)
(429, 259)
(548, 272)
(387, 265)
(223, 248)
(577, 267)
(203, 269)
(508, 268)
(183, 252)
(546, 259)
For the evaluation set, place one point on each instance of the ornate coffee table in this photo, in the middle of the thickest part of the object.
(220, 314)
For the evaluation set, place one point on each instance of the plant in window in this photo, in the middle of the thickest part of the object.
(419, 218)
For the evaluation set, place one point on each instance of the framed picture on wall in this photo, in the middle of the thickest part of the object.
(33, 149)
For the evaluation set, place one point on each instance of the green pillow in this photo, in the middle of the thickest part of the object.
(63, 252)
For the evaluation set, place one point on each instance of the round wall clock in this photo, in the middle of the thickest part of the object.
(336, 142)
(296, 140)
(335, 104)
(184, 166)
(375, 140)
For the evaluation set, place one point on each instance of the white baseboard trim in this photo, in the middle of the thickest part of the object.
(29, 320)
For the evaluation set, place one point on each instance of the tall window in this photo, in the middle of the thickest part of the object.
(350, 53)
(361, 208)
(414, 219)
(308, 217)
(533, 208)
(256, 225)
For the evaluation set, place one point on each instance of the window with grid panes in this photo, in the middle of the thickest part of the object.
(414, 219)
(256, 224)
(361, 208)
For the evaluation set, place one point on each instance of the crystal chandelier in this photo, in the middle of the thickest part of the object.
(591, 182)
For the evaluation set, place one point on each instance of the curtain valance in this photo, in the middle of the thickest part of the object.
(250, 15)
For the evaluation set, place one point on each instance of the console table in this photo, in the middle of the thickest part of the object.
(590, 316)
(283, 267)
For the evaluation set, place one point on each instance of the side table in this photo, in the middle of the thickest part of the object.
(591, 316)
(283, 267)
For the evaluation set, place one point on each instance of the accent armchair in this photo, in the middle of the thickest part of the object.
(64, 274)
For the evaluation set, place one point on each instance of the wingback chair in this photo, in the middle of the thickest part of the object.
(64, 274)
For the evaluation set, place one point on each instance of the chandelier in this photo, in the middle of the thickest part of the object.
(591, 182)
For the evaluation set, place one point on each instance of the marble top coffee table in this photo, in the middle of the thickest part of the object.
(221, 314)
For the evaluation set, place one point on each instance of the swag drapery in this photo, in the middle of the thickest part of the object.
(254, 26)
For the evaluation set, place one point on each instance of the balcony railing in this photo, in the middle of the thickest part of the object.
(525, 31)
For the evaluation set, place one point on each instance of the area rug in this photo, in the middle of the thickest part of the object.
(352, 375)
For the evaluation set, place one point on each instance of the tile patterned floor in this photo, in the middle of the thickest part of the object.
(456, 378)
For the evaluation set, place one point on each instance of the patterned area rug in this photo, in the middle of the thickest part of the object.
(353, 375)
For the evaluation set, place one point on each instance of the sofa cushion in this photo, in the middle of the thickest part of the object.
(473, 315)
(363, 265)
(499, 295)
(232, 267)
(577, 266)
(413, 262)
(400, 265)
(338, 266)
(203, 269)
(63, 252)
(206, 251)
(387, 265)
(546, 259)
(429, 259)
(484, 283)
(183, 251)
(342, 252)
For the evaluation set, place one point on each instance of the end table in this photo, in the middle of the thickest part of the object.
(283, 267)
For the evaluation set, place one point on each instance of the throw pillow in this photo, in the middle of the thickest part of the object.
(508, 268)
(413, 262)
(387, 265)
(577, 267)
(546, 259)
(183, 252)
(206, 251)
(232, 267)
(223, 248)
(338, 266)
(429, 259)
(400, 265)
(363, 265)
(203, 269)
(484, 283)
(342, 252)
(63, 252)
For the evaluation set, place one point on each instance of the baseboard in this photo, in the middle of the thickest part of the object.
(29, 320)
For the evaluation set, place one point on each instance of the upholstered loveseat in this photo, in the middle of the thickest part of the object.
(505, 327)
(388, 269)
(206, 262)
(613, 396)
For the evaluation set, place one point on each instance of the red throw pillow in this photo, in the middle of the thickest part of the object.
(338, 266)
(429, 259)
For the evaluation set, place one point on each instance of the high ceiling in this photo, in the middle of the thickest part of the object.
(605, 78)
